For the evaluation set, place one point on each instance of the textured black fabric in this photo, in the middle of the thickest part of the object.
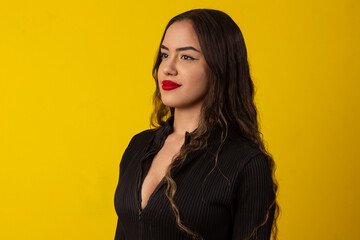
(228, 205)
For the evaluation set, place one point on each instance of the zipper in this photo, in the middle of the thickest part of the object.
(157, 147)
(140, 225)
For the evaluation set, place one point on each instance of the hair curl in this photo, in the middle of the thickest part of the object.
(229, 101)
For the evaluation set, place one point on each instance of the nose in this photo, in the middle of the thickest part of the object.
(169, 66)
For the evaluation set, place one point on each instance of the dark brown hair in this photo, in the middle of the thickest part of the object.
(229, 101)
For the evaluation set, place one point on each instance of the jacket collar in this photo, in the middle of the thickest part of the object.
(167, 129)
(213, 141)
(214, 138)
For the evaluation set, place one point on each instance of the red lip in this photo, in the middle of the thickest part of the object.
(169, 85)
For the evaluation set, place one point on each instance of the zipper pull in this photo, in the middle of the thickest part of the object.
(139, 214)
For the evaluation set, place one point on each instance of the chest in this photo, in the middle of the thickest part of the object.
(203, 196)
(157, 170)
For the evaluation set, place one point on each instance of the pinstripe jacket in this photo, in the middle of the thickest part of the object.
(231, 202)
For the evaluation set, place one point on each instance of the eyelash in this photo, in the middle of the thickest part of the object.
(188, 57)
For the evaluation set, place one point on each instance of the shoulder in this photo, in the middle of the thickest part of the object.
(142, 137)
(140, 140)
(249, 163)
(136, 145)
(238, 144)
(238, 151)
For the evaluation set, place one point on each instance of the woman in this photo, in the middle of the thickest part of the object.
(203, 171)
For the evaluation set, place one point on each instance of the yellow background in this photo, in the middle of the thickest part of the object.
(75, 85)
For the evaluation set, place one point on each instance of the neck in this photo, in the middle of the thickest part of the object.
(185, 120)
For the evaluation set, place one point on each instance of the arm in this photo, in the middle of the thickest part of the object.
(254, 196)
(130, 152)
(119, 233)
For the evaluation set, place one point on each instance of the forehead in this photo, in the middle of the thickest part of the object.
(181, 34)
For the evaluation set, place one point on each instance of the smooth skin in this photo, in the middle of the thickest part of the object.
(185, 66)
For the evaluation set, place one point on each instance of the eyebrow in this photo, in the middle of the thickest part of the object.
(181, 49)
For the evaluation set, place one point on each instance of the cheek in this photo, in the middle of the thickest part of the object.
(158, 72)
(199, 80)
(159, 75)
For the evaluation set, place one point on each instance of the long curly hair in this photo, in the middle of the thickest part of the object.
(229, 101)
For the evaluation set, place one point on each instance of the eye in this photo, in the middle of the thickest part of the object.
(162, 55)
(186, 57)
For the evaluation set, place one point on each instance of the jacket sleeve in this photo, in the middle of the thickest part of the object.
(125, 157)
(129, 150)
(135, 145)
(119, 235)
(254, 197)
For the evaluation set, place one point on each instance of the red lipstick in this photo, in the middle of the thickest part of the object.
(169, 85)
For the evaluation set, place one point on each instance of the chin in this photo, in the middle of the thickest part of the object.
(170, 104)
(167, 101)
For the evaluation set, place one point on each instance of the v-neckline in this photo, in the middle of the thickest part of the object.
(159, 140)
(158, 186)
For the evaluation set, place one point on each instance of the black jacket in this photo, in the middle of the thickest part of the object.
(228, 205)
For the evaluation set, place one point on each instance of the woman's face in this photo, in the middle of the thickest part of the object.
(183, 73)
